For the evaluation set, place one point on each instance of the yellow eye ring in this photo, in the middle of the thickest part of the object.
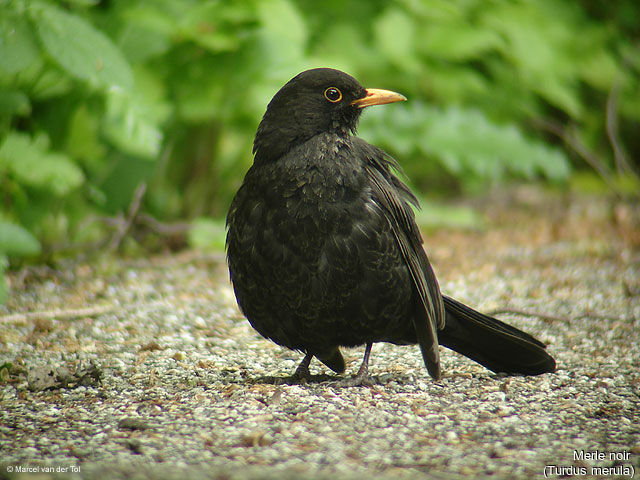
(333, 94)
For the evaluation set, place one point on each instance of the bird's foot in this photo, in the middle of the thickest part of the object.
(294, 379)
(362, 378)
(357, 380)
(301, 375)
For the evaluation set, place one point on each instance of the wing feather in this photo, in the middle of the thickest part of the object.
(394, 197)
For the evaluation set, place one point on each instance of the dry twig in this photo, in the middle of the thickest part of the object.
(622, 163)
(131, 215)
(567, 136)
(58, 314)
(547, 317)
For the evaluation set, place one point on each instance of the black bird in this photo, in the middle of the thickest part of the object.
(324, 251)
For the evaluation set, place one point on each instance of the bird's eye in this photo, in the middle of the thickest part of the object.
(333, 94)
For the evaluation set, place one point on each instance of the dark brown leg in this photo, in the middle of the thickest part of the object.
(302, 373)
(362, 377)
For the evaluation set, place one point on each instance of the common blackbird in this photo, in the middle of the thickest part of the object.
(323, 248)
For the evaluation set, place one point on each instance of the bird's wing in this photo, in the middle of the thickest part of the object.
(394, 197)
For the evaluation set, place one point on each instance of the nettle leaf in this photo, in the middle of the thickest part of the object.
(282, 36)
(130, 126)
(458, 41)
(83, 140)
(560, 94)
(18, 46)
(207, 234)
(471, 142)
(214, 25)
(4, 287)
(466, 142)
(17, 241)
(32, 163)
(51, 82)
(541, 48)
(14, 102)
(84, 3)
(395, 34)
(456, 83)
(80, 49)
(434, 215)
(140, 43)
(599, 68)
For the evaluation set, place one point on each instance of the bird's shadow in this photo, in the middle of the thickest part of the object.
(294, 380)
(338, 381)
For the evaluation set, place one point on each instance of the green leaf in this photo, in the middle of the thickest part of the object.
(541, 48)
(345, 48)
(161, 18)
(140, 43)
(214, 25)
(456, 83)
(15, 240)
(84, 3)
(51, 82)
(4, 287)
(458, 41)
(79, 48)
(395, 38)
(18, 46)
(560, 94)
(31, 162)
(129, 125)
(466, 142)
(591, 182)
(14, 102)
(207, 234)
(83, 139)
(282, 36)
(436, 216)
(599, 68)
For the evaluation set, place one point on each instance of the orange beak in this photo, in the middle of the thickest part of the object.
(375, 96)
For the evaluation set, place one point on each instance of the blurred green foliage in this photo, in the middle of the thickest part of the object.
(98, 97)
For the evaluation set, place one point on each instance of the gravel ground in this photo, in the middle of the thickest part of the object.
(145, 368)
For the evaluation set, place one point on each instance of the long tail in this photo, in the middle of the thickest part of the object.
(492, 343)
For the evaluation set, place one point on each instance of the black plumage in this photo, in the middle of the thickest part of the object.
(324, 251)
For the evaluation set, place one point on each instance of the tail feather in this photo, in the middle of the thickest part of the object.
(492, 343)
(333, 359)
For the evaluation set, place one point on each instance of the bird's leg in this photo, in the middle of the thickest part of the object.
(302, 373)
(363, 371)
(362, 377)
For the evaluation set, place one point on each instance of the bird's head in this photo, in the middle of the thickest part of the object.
(321, 100)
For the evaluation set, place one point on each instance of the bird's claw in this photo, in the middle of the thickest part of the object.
(358, 380)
